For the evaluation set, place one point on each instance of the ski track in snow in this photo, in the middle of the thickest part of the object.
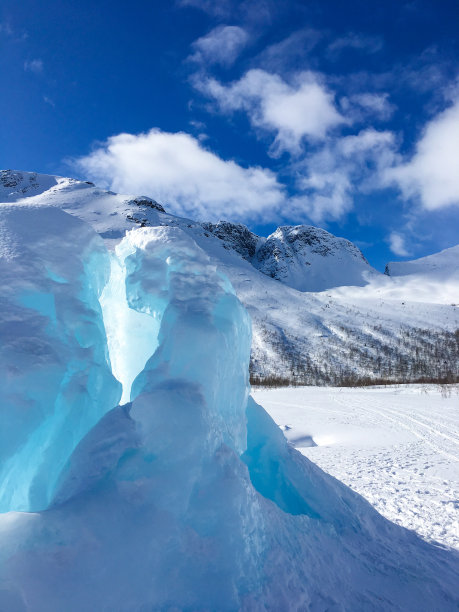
(397, 447)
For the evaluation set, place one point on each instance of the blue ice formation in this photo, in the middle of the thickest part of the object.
(55, 378)
(188, 497)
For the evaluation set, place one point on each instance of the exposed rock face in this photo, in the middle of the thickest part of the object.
(15, 185)
(236, 237)
(146, 201)
(11, 179)
(311, 259)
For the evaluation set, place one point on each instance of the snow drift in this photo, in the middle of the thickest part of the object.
(188, 496)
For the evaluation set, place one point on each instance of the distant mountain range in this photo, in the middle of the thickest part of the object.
(320, 313)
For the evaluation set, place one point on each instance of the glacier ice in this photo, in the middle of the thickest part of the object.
(188, 496)
(131, 334)
(55, 379)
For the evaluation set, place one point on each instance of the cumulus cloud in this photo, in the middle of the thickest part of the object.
(329, 178)
(397, 245)
(303, 109)
(177, 170)
(432, 175)
(35, 66)
(222, 45)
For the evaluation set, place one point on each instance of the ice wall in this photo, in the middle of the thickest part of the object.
(55, 376)
(189, 497)
(205, 332)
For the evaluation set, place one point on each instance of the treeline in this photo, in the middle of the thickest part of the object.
(373, 357)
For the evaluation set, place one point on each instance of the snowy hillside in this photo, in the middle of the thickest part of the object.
(398, 328)
(441, 265)
(186, 496)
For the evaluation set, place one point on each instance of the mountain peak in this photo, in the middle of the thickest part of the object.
(309, 258)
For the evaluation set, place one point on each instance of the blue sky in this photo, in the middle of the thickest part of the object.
(339, 114)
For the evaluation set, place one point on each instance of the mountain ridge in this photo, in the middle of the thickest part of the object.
(382, 327)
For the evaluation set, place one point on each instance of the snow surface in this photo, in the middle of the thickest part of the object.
(187, 497)
(444, 265)
(397, 447)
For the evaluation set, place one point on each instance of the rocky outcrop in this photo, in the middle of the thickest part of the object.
(146, 201)
(311, 259)
(235, 236)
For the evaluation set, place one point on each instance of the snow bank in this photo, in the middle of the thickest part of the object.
(189, 497)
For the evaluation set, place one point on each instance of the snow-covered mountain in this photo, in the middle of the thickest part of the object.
(303, 257)
(439, 265)
(310, 259)
(320, 313)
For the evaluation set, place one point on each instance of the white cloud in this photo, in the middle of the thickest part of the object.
(35, 66)
(330, 177)
(397, 245)
(432, 175)
(303, 109)
(220, 46)
(177, 170)
(363, 105)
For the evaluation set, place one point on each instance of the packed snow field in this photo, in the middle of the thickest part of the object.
(398, 447)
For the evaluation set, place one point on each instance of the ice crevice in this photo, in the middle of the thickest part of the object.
(132, 335)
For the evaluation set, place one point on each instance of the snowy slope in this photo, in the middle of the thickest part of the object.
(309, 337)
(441, 265)
(188, 497)
(16, 185)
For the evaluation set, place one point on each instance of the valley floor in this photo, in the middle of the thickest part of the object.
(396, 446)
